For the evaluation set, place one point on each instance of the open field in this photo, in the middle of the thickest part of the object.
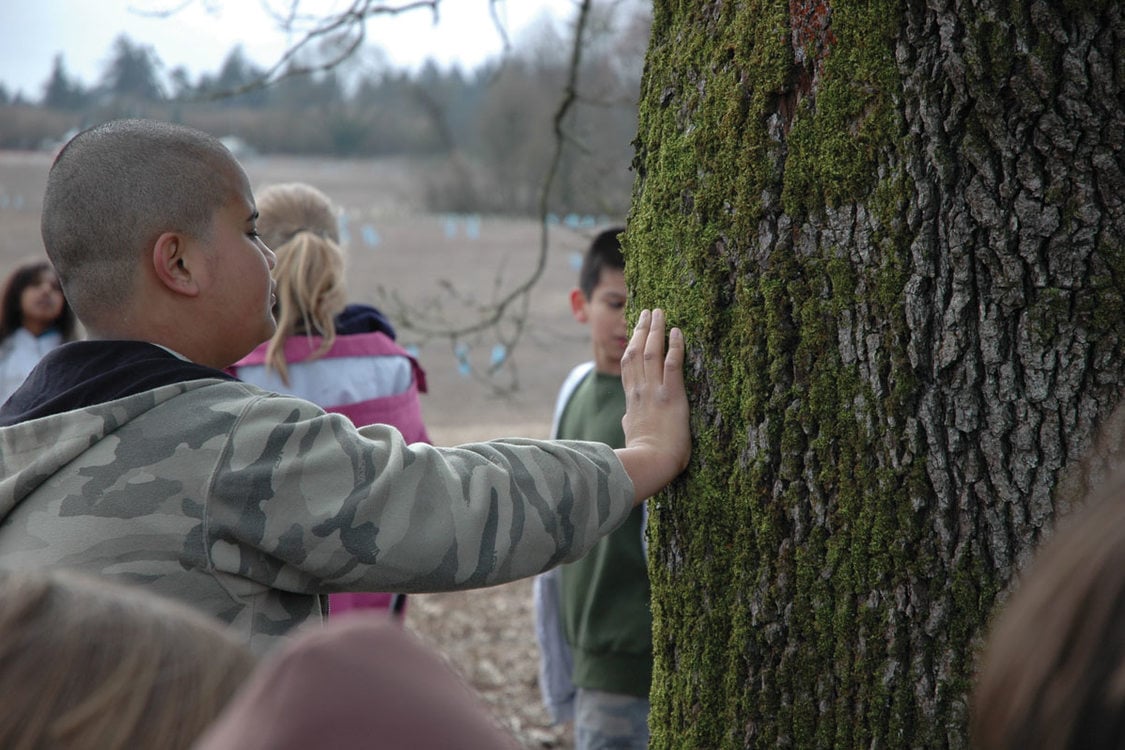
(432, 262)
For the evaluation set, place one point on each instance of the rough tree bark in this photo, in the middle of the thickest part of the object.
(893, 233)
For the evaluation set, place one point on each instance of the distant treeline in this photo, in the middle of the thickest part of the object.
(491, 130)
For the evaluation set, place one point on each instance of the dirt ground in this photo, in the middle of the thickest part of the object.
(446, 268)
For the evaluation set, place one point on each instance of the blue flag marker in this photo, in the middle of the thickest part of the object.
(472, 226)
(499, 354)
(370, 236)
(461, 352)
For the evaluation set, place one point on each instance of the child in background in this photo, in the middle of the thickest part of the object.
(593, 619)
(341, 357)
(34, 318)
(86, 664)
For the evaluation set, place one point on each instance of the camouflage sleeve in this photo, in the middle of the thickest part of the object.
(302, 501)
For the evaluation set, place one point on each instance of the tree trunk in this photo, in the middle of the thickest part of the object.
(893, 235)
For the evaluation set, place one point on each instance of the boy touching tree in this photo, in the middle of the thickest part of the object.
(605, 643)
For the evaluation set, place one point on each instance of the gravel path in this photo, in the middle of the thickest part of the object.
(488, 636)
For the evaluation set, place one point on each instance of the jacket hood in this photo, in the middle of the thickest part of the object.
(363, 319)
(86, 373)
(77, 395)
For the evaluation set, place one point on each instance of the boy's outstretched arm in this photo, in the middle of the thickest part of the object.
(657, 439)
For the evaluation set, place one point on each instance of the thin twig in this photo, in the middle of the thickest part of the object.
(570, 95)
(351, 21)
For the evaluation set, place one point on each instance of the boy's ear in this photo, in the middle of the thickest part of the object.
(578, 305)
(174, 265)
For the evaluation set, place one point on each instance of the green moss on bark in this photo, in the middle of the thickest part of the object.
(716, 169)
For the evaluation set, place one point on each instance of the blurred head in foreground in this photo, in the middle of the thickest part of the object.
(90, 664)
(357, 682)
(1052, 673)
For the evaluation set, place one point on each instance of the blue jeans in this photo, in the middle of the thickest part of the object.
(610, 721)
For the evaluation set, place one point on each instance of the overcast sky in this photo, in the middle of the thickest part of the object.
(201, 33)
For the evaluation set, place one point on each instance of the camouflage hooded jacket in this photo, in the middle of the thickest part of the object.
(119, 459)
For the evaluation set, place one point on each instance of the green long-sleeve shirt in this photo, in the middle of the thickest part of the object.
(605, 595)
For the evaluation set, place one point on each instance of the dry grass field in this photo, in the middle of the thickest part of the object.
(442, 266)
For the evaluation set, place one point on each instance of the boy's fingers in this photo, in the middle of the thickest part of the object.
(631, 367)
(654, 348)
(674, 362)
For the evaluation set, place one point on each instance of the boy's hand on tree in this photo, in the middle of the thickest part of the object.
(657, 438)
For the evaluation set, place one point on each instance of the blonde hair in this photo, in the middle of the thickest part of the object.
(298, 222)
(89, 664)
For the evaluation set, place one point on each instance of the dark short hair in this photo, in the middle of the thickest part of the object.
(11, 312)
(114, 188)
(604, 252)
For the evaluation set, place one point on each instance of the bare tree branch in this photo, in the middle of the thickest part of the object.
(506, 318)
(499, 25)
(570, 95)
(345, 30)
(170, 11)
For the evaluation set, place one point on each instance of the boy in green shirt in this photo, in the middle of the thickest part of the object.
(603, 599)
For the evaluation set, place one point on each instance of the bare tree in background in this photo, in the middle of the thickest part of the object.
(540, 143)
(503, 319)
(322, 42)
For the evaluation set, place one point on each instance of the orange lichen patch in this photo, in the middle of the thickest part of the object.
(810, 24)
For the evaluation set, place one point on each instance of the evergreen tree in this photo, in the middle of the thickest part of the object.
(236, 73)
(182, 87)
(133, 72)
(60, 91)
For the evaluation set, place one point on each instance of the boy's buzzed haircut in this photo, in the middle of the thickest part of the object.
(115, 188)
(604, 252)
